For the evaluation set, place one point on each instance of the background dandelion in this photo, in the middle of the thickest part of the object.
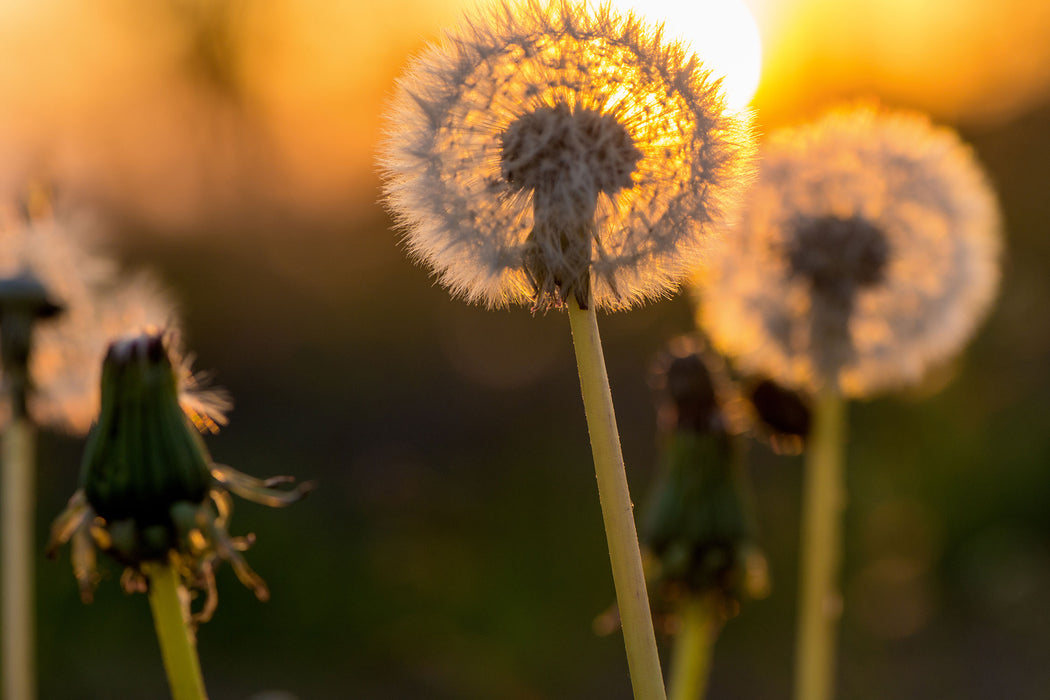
(98, 301)
(868, 251)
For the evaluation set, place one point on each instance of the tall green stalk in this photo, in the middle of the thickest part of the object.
(693, 647)
(177, 643)
(23, 302)
(16, 492)
(824, 499)
(617, 509)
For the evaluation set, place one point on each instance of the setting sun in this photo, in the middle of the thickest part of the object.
(722, 32)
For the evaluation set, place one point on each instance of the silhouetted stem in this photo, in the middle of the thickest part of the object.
(693, 647)
(177, 643)
(617, 509)
(820, 602)
(19, 643)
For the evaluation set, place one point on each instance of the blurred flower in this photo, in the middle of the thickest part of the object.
(23, 302)
(149, 490)
(98, 303)
(867, 251)
(548, 150)
(699, 522)
(781, 416)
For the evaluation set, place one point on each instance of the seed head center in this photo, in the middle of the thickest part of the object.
(838, 256)
(578, 149)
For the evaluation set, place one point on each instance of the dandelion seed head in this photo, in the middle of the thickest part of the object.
(867, 251)
(98, 304)
(548, 149)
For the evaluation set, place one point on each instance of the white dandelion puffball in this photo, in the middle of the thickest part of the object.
(547, 150)
(98, 304)
(867, 251)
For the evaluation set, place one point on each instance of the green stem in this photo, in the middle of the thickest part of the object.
(177, 645)
(617, 509)
(19, 643)
(820, 602)
(693, 646)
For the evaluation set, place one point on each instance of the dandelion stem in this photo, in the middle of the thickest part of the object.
(693, 646)
(820, 602)
(177, 644)
(19, 644)
(617, 509)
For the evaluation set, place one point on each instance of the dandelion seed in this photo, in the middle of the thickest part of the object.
(543, 151)
(867, 252)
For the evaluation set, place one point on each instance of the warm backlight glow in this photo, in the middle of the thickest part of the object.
(723, 33)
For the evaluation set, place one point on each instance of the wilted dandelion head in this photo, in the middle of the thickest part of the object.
(867, 251)
(543, 150)
(98, 303)
(149, 491)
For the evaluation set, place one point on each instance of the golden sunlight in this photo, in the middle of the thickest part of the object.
(965, 61)
(723, 33)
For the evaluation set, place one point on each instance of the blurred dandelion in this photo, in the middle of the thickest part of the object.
(867, 252)
(151, 497)
(699, 522)
(544, 150)
(555, 155)
(781, 416)
(98, 304)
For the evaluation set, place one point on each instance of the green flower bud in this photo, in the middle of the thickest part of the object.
(143, 455)
(699, 523)
(149, 490)
(782, 415)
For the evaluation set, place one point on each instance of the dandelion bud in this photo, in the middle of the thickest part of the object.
(149, 490)
(143, 456)
(691, 390)
(780, 410)
(698, 521)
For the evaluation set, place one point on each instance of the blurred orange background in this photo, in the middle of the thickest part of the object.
(177, 108)
(454, 549)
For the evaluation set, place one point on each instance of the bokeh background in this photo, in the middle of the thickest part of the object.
(454, 547)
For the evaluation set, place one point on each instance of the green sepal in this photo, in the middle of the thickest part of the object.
(142, 455)
(698, 522)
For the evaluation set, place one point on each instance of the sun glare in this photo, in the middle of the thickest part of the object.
(723, 33)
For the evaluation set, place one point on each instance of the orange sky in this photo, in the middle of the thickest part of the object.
(169, 109)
